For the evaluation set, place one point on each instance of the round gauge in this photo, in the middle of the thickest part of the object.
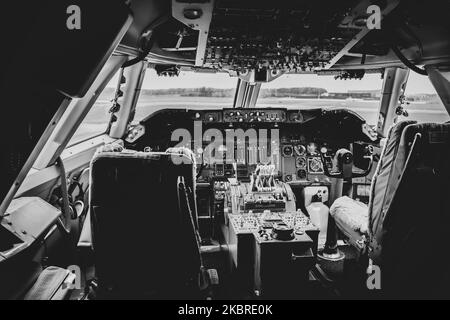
(301, 174)
(312, 148)
(315, 165)
(300, 150)
(287, 151)
(301, 162)
(324, 149)
(296, 117)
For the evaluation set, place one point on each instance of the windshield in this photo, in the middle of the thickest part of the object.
(189, 90)
(424, 105)
(192, 90)
(295, 91)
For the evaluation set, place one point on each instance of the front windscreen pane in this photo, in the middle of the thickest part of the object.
(424, 103)
(308, 91)
(189, 90)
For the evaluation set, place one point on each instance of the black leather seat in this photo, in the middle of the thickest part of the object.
(410, 228)
(380, 196)
(144, 231)
(409, 212)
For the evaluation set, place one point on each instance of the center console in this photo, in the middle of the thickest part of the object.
(271, 245)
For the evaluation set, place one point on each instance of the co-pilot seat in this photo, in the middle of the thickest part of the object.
(409, 212)
(144, 230)
(409, 236)
(352, 217)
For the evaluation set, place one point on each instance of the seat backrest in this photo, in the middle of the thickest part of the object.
(143, 236)
(188, 170)
(409, 239)
(383, 179)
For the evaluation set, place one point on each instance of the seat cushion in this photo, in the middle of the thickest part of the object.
(352, 218)
(412, 234)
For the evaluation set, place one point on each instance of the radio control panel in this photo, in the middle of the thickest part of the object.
(253, 222)
(254, 115)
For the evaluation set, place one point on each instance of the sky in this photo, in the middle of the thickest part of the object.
(416, 83)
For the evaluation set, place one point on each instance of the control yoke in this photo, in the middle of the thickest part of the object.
(346, 172)
(345, 165)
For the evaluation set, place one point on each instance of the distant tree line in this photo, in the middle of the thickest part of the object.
(214, 92)
(293, 92)
(302, 92)
(423, 97)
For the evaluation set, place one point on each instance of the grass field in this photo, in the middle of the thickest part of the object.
(96, 120)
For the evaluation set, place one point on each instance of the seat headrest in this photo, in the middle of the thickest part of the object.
(397, 129)
(182, 152)
(116, 146)
(393, 138)
(117, 150)
(431, 133)
(434, 140)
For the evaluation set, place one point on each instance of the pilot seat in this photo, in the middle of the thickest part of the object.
(352, 217)
(144, 225)
(408, 216)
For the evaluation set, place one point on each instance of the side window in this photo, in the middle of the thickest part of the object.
(424, 102)
(96, 121)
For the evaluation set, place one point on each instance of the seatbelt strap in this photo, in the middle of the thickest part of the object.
(412, 149)
(182, 186)
(66, 212)
(376, 237)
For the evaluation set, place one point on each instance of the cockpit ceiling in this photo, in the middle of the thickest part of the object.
(295, 36)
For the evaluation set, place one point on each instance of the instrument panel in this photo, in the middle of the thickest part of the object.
(254, 115)
(295, 161)
(302, 162)
(307, 139)
(302, 157)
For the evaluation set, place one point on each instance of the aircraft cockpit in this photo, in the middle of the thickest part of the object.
(225, 150)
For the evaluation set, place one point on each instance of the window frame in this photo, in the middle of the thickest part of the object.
(75, 114)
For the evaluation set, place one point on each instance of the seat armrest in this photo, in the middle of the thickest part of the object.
(52, 284)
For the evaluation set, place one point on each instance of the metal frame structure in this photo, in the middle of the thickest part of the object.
(246, 94)
(76, 112)
(359, 11)
(440, 78)
(394, 84)
(34, 154)
(44, 172)
(201, 24)
(134, 76)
